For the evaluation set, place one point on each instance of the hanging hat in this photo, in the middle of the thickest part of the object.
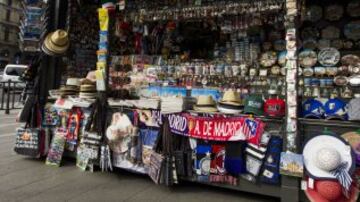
(353, 138)
(335, 109)
(330, 191)
(274, 107)
(313, 108)
(231, 98)
(254, 104)
(230, 103)
(328, 156)
(205, 103)
(56, 43)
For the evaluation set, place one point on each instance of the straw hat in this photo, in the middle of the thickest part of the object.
(353, 138)
(328, 156)
(205, 103)
(56, 43)
(231, 98)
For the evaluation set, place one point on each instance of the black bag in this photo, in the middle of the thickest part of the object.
(28, 142)
(156, 167)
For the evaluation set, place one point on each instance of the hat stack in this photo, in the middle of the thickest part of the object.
(205, 103)
(56, 43)
(230, 103)
(71, 88)
(87, 89)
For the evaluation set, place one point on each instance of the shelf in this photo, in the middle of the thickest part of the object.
(263, 189)
(329, 123)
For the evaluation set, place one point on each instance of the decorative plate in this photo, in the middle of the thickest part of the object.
(282, 58)
(353, 8)
(329, 57)
(350, 59)
(337, 43)
(310, 44)
(308, 72)
(268, 58)
(330, 32)
(354, 80)
(323, 43)
(310, 33)
(341, 80)
(334, 12)
(314, 13)
(307, 58)
(354, 69)
(352, 30)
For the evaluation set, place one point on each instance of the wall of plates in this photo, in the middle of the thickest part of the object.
(329, 56)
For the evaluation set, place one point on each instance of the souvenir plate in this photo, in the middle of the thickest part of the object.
(330, 32)
(308, 72)
(352, 30)
(341, 80)
(353, 8)
(329, 57)
(268, 58)
(307, 58)
(310, 44)
(323, 43)
(310, 33)
(354, 80)
(314, 13)
(282, 58)
(334, 12)
(350, 60)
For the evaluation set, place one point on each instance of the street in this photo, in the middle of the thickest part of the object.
(31, 180)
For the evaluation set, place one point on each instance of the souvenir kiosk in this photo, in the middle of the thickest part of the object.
(229, 94)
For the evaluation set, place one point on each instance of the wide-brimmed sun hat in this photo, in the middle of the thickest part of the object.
(56, 43)
(205, 103)
(231, 98)
(329, 157)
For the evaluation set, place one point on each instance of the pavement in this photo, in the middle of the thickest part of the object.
(24, 179)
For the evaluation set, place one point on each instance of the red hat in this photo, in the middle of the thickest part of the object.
(274, 107)
(330, 191)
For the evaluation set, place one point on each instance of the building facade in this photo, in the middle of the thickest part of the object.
(9, 28)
